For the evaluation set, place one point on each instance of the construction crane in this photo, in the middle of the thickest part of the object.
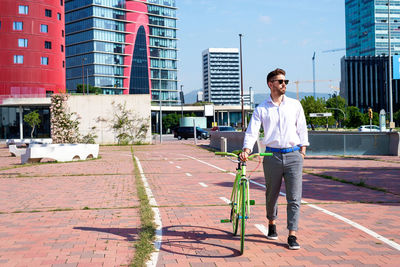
(333, 50)
(297, 84)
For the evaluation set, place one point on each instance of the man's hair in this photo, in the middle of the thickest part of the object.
(275, 72)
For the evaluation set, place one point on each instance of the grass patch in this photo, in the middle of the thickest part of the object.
(144, 245)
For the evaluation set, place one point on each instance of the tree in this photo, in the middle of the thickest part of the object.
(33, 120)
(355, 117)
(396, 118)
(337, 105)
(171, 121)
(128, 126)
(310, 105)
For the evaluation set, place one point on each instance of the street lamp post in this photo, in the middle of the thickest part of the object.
(241, 81)
(313, 73)
(160, 118)
(83, 77)
(182, 100)
(87, 80)
(390, 70)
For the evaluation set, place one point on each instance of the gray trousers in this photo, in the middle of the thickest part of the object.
(289, 166)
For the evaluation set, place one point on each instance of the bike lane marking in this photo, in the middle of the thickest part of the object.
(203, 184)
(157, 218)
(227, 201)
(188, 174)
(337, 216)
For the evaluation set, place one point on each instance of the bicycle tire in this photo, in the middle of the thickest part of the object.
(243, 214)
(234, 211)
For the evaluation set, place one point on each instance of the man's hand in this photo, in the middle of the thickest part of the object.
(244, 155)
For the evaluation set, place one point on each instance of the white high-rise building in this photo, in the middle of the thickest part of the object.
(221, 76)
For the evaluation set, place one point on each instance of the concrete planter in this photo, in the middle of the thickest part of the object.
(60, 152)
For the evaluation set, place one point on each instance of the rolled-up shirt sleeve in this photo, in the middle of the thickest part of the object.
(302, 127)
(253, 130)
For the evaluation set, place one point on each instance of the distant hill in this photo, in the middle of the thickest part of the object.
(191, 97)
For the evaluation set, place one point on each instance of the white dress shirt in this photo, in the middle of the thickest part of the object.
(284, 125)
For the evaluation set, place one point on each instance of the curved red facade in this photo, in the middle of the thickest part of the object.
(137, 17)
(32, 61)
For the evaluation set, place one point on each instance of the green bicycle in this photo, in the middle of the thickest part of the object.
(240, 198)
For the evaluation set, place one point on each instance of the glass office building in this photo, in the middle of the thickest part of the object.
(163, 51)
(367, 27)
(123, 47)
(221, 76)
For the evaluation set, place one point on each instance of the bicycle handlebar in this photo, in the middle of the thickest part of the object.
(237, 155)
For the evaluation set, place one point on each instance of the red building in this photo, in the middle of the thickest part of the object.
(32, 48)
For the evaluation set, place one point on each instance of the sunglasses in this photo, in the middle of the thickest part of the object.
(281, 81)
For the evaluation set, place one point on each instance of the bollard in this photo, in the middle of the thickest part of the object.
(224, 144)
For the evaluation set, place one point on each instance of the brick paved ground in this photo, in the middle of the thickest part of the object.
(193, 235)
(85, 211)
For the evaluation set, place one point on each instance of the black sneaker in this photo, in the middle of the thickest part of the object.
(272, 232)
(292, 242)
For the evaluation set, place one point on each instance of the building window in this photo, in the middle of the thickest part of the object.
(18, 59)
(17, 26)
(62, 33)
(47, 44)
(44, 28)
(22, 42)
(58, 16)
(44, 60)
(63, 64)
(23, 10)
(62, 48)
(62, 2)
(47, 13)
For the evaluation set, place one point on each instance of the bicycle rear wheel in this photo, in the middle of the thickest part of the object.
(243, 209)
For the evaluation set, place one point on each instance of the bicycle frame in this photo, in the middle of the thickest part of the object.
(240, 197)
(241, 178)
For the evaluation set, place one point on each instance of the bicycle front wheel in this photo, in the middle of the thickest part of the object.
(243, 209)
(235, 210)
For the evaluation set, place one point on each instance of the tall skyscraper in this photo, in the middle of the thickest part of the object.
(123, 46)
(163, 50)
(367, 27)
(32, 59)
(221, 76)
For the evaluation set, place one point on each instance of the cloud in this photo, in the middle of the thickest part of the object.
(265, 19)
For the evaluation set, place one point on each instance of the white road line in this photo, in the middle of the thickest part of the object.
(188, 174)
(337, 216)
(178, 167)
(227, 201)
(171, 162)
(203, 184)
(262, 229)
(157, 218)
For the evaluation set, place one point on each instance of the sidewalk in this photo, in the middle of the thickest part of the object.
(188, 191)
(85, 213)
(68, 214)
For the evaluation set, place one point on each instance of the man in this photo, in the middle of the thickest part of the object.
(285, 135)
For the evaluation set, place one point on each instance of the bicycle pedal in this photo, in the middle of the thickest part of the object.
(225, 221)
(252, 202)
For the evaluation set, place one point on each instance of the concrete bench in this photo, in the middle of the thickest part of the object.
(22, 142)
(60, 152)
(15, 151)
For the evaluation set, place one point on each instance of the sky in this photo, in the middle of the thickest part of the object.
(276, 33)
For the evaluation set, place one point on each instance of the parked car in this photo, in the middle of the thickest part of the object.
(369, 128)
(186, 132)
(223, 129)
